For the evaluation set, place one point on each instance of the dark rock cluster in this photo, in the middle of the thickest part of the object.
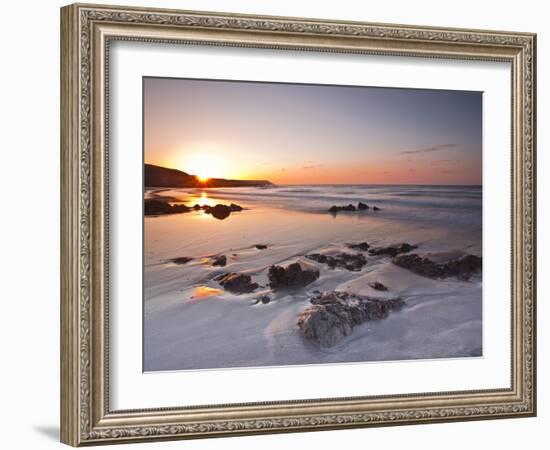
(181, 260)
(462, 268)
(353, 262)
(220, 211)
(363, 246)
(237, 283)
(332, 315)
(263, 299)
(154, 207)
(290, 277)
(334, 209)
(392, 250)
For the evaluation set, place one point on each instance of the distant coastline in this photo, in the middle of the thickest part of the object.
(157, 176)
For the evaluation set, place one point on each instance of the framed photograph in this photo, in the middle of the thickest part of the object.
(275, 224)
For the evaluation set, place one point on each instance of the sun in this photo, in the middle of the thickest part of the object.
(204, 166)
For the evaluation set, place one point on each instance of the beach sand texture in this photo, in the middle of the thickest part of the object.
(191, 322)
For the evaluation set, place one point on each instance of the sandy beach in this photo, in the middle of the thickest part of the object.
(192, 322)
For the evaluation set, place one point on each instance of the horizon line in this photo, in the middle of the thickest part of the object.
(324, 184)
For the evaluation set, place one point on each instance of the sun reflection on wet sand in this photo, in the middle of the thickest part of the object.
(203, 199)
(205, 291)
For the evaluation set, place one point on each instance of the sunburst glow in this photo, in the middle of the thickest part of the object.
(204, 166)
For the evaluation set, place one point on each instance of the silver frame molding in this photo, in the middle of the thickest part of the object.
(86, 32)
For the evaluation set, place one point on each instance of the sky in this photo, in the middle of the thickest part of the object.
(313, 134)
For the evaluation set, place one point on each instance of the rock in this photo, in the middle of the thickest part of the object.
(181, 260)
(154, 207)
(219, 211)
(362, 206)
(332, 315)
(335, 209)
(261, 246)
(363, 246)
(378, 286)
(220, 261)
(462, 268)
(292, 276)
(197, 207)
(237, 283)
(265, 299)
(353, 262)
(392, 250)
(376, 208)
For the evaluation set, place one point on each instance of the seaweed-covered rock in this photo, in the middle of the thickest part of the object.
(237, 283)
(292, 276)
(362, 206)
(463, 267)
(353, 262)
(392, 250)
(154, 207)
(332, 315)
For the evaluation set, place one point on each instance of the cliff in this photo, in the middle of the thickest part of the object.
(157, 176)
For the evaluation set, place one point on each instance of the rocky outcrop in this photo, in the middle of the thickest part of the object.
(335, 209)
(462, 268)
(261, 246)
(154, 207)
(392, 250)
(237, 283)
(290, 277)
(157, 176)
(332, 315)
(353, 262)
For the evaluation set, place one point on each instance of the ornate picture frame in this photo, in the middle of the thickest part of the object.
(87, 32)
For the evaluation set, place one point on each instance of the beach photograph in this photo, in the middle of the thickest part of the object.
(296, 224)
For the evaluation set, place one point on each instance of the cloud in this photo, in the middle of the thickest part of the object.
(312, 166)
(443, 161)
(435, 148)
